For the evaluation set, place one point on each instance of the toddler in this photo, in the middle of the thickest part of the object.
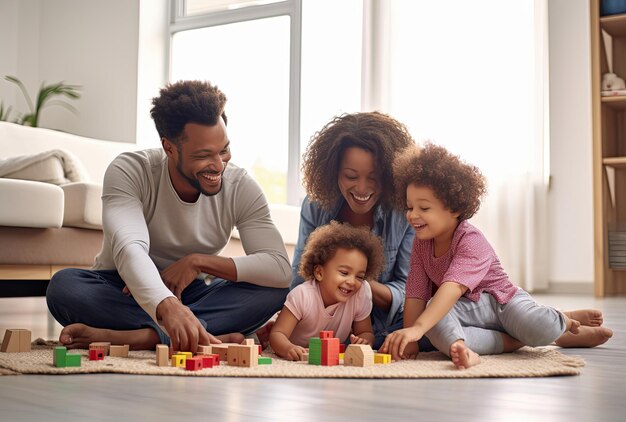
(336, 263)
(457, 293)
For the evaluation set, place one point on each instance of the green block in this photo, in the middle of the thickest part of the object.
(315, 351)
(59, 356)
(265, 360)
(72, 360)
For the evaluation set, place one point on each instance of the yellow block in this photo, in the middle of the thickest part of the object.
(382, 358)
(179, 360)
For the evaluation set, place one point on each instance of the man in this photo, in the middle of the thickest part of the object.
(167, 213)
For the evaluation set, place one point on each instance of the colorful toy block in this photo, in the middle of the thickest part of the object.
(330, 351)
(326, 334)
(382, 358)
(101, 344)
(342, 348)
(315, 351)
(263, 360)
(62, 359)
(204, 350)
(16, 340)
(193, 364)
(248, 342)
(207, 361)
(96, 354)
(178, 361)
(119, 350)
(162, 351)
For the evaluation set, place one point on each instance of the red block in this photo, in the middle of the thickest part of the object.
(193, 364)
(326, 334)
(330, 351)
(342, 348)
(96, 354)
(207, 361)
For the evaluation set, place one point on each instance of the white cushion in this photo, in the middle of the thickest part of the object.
(30, 204)
(286, 218)
(49, 170)
(83, 205)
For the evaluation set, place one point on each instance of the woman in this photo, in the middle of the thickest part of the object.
(347, 177)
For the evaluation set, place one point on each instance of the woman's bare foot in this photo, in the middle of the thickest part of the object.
(79, 336)
(462, 356)
(586, 337)
(231, 338)
(588, 317)
(263, 334)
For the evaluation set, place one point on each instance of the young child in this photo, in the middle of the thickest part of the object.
(473, 308)
(336, 263)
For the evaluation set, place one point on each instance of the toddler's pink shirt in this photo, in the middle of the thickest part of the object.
(470, 261)
(305, 302)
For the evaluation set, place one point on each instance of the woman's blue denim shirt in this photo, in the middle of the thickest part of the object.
(397, 236)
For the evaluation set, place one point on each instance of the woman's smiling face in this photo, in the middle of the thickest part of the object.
(358, 180)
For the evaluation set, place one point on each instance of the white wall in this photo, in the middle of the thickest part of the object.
(570, 202)
(92, 43)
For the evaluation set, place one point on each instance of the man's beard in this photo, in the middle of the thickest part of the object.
(195, 183)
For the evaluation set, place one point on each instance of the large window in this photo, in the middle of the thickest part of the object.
(287, 67)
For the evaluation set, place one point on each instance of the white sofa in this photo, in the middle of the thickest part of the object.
(48, 222)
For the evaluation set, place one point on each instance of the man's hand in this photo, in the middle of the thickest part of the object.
(182, 326)
(396, 343)
(180, 274)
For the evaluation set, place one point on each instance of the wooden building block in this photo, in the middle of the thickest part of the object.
(248, 342)
(207, 361)
(326, 334)
(358, 355)
(204, 350)
(315, 351)
(162, 351)
(305, 357)
(249, 356)
(120, 351)
(221, 350)
(263, 360)
(342, 348)
(16, 340)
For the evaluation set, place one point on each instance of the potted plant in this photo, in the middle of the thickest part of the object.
(44, 98)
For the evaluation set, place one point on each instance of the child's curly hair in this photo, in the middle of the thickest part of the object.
(186, 102)
(375, 132)
(324, 241)
(458, 185)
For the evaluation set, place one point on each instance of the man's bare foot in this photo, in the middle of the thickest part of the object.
(79, 336)
(231, 338)
(588, 317)
(263, 334)
(586, 337)
(462, 356)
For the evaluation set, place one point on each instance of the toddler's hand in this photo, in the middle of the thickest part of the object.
(295, 353)
(357, 340)
(396, 342)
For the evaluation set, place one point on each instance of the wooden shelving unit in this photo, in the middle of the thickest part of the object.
(609, 153)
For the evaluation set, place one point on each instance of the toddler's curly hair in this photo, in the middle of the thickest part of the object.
(378, 133)
(458, 185)
(324, 241)
(185, 102)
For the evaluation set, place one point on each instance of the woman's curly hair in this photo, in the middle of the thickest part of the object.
(186, 102)
(324, 241)
(375, 132)
(458, 185)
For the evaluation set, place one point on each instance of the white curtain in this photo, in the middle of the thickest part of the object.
(472, 76)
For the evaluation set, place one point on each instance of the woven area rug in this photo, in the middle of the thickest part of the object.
(527, 362)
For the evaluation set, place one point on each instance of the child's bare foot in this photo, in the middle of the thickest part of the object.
(79, 336)
(263, 334)
(586, 337)
(231, 338)
(588, 317)
(462, 356)
(574, 326)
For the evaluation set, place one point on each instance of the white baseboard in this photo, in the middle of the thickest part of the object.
(570, 287)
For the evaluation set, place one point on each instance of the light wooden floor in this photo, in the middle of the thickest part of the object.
(599, 394)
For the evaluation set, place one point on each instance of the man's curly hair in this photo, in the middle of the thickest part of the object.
(458, 185)
(324, 241)
(186, 102)
(375, 132)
